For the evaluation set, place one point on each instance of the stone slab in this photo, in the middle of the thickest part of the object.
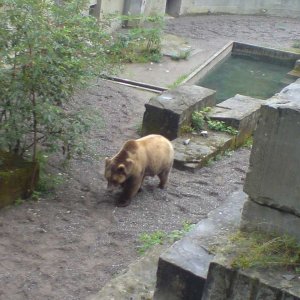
(167, 113)
(240, 112)
(225, 283)
(200, 149)
(175, 46)
(182, 269)
(261, 217)
(273, 178)
(18, 178)
(290, 93)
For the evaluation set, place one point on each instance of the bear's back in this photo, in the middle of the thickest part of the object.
(155, 152)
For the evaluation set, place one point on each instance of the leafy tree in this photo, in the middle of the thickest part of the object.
(47, 52)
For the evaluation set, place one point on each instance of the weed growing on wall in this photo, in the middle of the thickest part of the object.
(201, 121)
(261, 250)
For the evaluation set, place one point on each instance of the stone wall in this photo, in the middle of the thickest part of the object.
(289, 8)
(273, 179)
(167, 113)
(127, 7)
(226, 283)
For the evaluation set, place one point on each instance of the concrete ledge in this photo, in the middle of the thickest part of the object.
(240, 112)
(225, 283)
(261, 217)
(200, 149)
(168, 112)
(182, 269)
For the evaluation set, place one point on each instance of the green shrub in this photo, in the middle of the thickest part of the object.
(47, 52)
(198, 120)
(221, 126)
(141, 43)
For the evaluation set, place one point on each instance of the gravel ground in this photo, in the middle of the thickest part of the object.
(69, 244)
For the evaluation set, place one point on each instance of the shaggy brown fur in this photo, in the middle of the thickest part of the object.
(148, 156)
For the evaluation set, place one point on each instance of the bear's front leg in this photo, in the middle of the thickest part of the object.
(130, 189)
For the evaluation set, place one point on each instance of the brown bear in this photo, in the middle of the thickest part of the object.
(148, 156)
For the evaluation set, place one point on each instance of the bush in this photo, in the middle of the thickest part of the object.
(141, 43)
(47, 52)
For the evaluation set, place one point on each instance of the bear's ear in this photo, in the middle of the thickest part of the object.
(129, 165)
(121, 169)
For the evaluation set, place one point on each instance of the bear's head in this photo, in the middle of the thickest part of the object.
(116, 172)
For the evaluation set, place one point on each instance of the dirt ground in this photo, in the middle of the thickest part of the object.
(69, 244)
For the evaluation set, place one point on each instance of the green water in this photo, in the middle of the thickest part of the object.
(246, 76)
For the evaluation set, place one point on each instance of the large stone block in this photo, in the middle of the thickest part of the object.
(200, 150)
(182, 269)
(240, 112)
(273, 178)
(168, 112)
(225, 283)
(260, 217)
(18, 178)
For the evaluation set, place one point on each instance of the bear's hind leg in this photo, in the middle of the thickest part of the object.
(163, 177)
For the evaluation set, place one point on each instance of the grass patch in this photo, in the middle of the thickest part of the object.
(148, 240)
(261, 250)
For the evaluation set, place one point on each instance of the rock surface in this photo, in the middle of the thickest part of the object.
(240, 112)
(167, 113)
(200, 149)
(261, 217)
(273, 178)
(225, 283)
(182, 269)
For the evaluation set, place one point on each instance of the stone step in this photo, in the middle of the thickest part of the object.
(167, 113)
(182, 268)
(199, 149)
(240, 112)
(226, 283)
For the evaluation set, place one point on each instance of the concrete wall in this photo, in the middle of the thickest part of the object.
(273, 178)
(288, 8)
(155, 7)
(108, 9)
(133, 7)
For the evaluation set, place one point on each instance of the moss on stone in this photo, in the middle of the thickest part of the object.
(18, 178)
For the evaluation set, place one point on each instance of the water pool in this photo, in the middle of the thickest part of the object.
(247, 76)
